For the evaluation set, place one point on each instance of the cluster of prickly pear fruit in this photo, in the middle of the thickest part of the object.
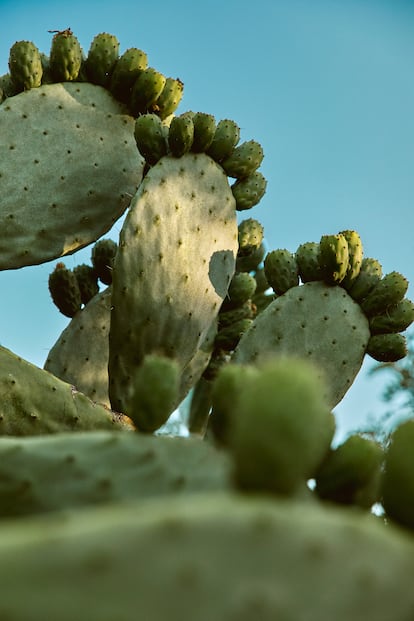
(187, 302)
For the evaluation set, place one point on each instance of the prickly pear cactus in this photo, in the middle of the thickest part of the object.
(59, 185)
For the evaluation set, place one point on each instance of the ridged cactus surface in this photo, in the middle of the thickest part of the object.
(60, 187)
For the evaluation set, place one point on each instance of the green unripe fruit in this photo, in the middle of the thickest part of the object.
(87, 282)
(64, 290)
(156, 385)
(204, 129)
(250, 235)
(351, 473)
(242, 287)
(152, 137)
(396, 319)
(146, 89)
(7, 87)
(25, 65)
(243, 160)
(228, 337)
(225, 396)
(227, 318)
(398, 477)
(281, 270)
(261, 281)
(386, 293)
(333, 258)
(283, 427)
(102, 257)
(307, 259)
(226, 136)
(249, 190)
(250, 262)
(102, 56)
(387, 347)
(355, 254)
(126, 71)
(369, 275)
(180, 135)
(169, 98)
(65, 57)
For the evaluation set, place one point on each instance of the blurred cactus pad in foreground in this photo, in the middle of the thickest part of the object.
(248, 509)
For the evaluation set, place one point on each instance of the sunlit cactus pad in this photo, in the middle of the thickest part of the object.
(69, 168)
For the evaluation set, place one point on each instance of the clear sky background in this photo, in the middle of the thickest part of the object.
(327, 88)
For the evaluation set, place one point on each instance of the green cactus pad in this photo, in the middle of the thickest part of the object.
(80, 355)
(35, 402)
(66, 193)
(183, 209)
(71, 470)
(25, 65)
(316, 322)
(210, 556)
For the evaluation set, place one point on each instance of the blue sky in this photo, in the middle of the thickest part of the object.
(327, 88)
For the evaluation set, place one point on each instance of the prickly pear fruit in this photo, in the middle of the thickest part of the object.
(25, 65)
(64, 290)
(183, 208)
(355, 255)
(146, 89)
(169, 98)
(51, 210)
(333, 258)
(7, 87)
(369, 275)
(282, 427)
(225, 394)
(351, 473)
(35, 402)
(307, 259)
(204, 129)
(102, 257)
(101, 467)
(398, 478)
(275, 559)
(102, 56)
(228, 317)
(156, 386)
(243, 160)
(152, 137)
(250, 234)
(242, 287)
(249, 190)
(126, 71)
(396, 319)
(228, 336)
(386, 293)
(180, 135)
(80, 355)
(387, 347)
(281, 270)
(314, 321)
(87, 281)
(225, 138)
(65, 57)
